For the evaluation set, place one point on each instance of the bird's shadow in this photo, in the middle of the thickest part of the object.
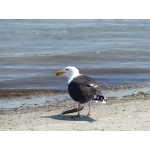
(70, 118)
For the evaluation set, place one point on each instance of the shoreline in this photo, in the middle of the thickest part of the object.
(140, 96)
(12, 100)
(9, 93)
(18, 92)
(130, 113)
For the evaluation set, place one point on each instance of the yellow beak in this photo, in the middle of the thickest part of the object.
(60, 72)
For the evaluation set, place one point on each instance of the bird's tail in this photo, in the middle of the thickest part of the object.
(99, 98)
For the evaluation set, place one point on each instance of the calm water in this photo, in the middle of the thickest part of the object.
(114, 52)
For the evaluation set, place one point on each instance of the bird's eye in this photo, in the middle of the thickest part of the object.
(66, 69)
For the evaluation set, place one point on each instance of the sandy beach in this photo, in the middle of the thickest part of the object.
(114, 52)
(130, 113)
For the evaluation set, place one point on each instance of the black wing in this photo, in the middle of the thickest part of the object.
(83, 89)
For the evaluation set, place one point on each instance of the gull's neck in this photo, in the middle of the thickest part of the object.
(70, 78)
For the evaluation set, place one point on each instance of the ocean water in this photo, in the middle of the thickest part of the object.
(113, 52)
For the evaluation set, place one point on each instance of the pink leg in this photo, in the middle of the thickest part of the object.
(78, 109)
(89, 109)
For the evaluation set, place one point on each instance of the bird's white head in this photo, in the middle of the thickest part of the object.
(70, 72)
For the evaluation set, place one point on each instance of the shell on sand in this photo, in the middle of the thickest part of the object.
(72, 109)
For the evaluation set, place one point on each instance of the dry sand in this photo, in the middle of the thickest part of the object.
(131, 113)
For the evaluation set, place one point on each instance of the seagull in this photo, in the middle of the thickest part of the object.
(81, 88)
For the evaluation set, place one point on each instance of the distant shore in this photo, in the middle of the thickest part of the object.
(131, 112)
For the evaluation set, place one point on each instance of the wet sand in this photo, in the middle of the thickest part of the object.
(129, 113)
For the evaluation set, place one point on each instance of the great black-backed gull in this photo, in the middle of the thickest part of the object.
(81, 88)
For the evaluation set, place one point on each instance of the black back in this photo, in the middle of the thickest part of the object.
(83, 89)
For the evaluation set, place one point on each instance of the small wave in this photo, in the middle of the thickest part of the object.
(116, 70)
